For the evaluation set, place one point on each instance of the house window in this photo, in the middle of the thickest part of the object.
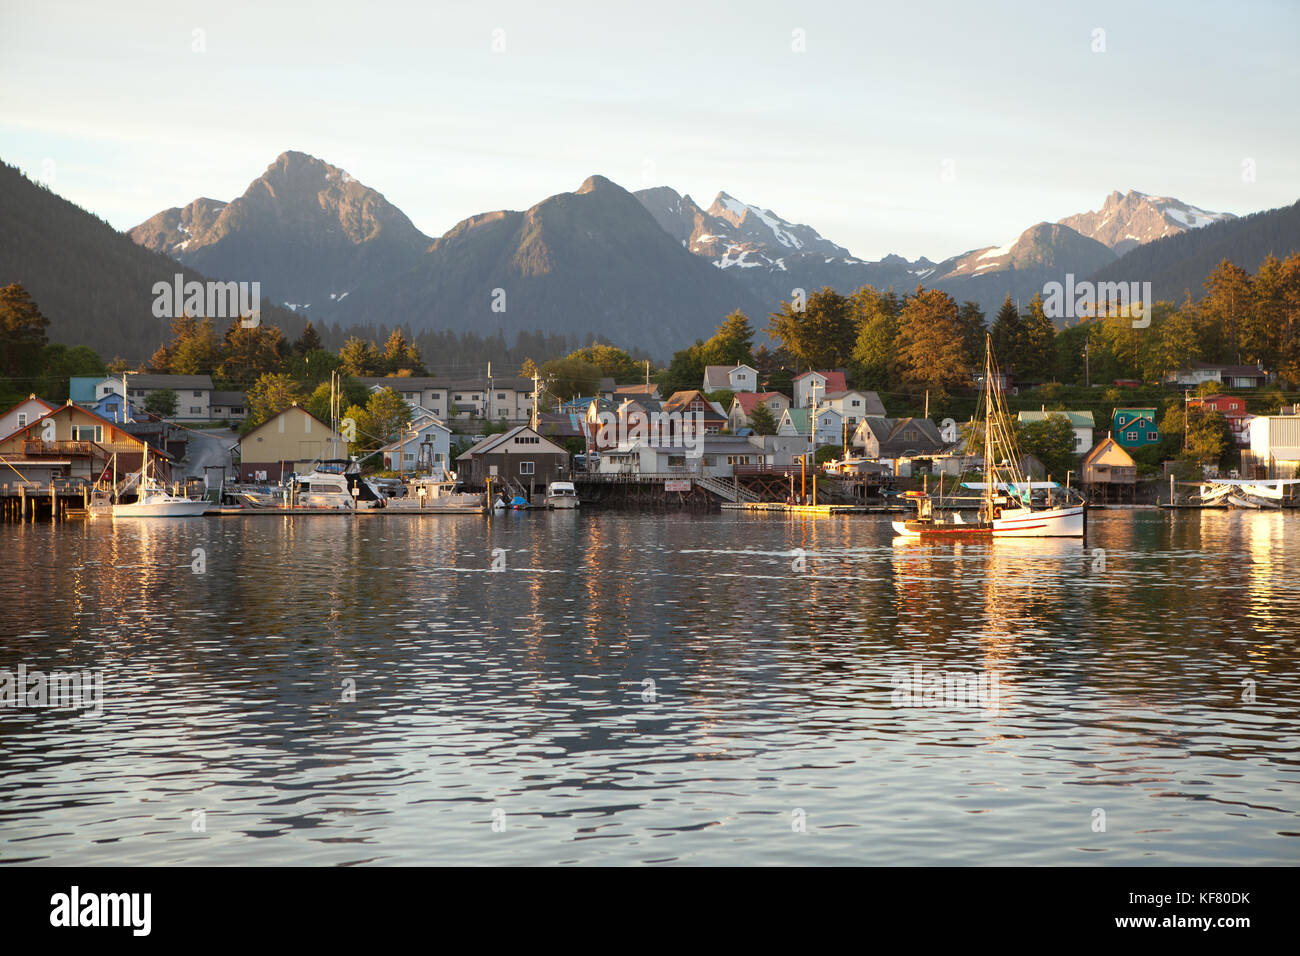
(88, 433)
(197, 393)
(1131, 436)
(195, 410)
(676, 461)
(236, 410)
(526, 468)
(501, 396)
(1153, 436)
(22, 419)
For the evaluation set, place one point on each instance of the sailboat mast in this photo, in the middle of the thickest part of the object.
(988, 427)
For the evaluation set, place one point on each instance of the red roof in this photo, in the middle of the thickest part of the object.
(750, 400)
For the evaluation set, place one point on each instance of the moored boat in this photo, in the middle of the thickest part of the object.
(154, 501)
(561, 494)
(1008, 507)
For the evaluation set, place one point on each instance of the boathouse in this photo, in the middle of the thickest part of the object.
(519, 458)
(1109, 472)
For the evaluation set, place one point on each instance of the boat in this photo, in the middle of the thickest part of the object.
(153, 500)
(1008, 504)
(333, 484)
(561, 494)
(428, 493)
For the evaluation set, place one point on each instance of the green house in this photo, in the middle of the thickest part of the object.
(1134, 427)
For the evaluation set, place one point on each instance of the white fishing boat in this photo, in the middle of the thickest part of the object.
(1008, 506)
(561, 494)
(154, 501)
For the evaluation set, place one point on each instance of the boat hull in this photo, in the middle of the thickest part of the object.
(1021, 523)
(162, 509)
(562, 501)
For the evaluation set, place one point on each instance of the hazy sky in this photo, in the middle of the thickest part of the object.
(919, 128)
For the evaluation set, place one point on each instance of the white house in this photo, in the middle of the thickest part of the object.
(1081, 422)
(1274, 447)
(809, 384)
(424, 447)
(1231, 376)
(829, 425)
(193, 392)
(506, 397)
(735, 378)
(715, 457)
(743, 405)
(23, 414)
(853, 405)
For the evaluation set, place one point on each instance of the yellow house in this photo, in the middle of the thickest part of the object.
(285, 443)
(1109, 471)
(71, 442)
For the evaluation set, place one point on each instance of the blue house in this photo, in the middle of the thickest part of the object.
(110, 407)
(1134, 427)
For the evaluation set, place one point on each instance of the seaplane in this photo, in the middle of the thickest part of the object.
(1255, 493)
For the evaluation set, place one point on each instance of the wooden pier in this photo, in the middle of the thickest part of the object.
(56, 500)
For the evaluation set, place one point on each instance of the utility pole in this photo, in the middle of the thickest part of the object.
(647, 375)
(927, 403)
(812, 432)
(534, 401)
(488, 404)
(1087, 371)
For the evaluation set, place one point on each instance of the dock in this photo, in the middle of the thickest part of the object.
(810, 509)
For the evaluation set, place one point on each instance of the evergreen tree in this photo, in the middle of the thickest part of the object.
(822, 336)
(970, 317)
(930, 351)
(308, 342)
(271, 394)
(360, 357)
(1008, 335)
(873, 351)
(732, 344)
(1039, 342)
(762, 420)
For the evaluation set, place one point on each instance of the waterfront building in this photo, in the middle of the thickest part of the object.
(286, 443)
(1109, 472)
(519, 457)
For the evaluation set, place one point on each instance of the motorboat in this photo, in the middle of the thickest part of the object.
(427, 493)
(561, 494)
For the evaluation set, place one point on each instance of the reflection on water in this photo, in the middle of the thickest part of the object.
(649, 688)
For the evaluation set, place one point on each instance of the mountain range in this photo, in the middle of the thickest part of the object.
(650, 270)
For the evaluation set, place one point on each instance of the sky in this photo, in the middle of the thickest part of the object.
(924, 128)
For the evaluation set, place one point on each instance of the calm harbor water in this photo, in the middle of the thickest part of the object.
(645, 688)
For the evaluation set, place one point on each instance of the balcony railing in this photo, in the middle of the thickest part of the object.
(59, 448)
